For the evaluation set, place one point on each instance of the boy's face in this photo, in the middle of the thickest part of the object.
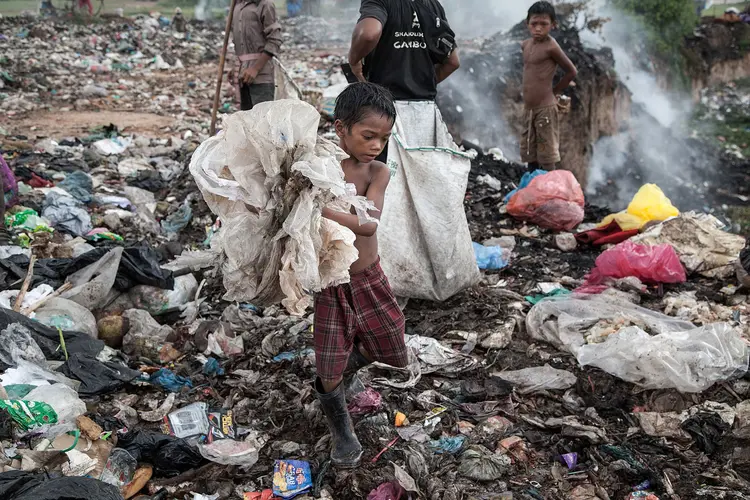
(367, 138)
(539, 26)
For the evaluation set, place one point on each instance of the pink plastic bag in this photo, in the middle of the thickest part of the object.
(650, 264)
(387, 491)
(552, 201)
(365, 402)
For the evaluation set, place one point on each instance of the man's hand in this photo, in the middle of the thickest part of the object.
(249, 75)
(358, 71)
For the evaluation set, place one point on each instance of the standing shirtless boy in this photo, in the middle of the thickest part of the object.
(540, 142)
(358, 322)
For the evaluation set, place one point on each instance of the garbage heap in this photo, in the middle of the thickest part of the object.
(127, 375)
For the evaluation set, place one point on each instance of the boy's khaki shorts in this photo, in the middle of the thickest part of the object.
(540, 142)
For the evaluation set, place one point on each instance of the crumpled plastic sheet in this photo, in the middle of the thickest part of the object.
(20, 485)
(538, 378)
(67, 213)
(269, 174)
(367, 401)
(673, 355)
(243, 453)
(699, 240)
(480, 464)
(650, 264)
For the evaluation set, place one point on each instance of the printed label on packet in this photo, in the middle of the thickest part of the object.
(29, 414)
(221, 426)
(291, 478)
(191, 420)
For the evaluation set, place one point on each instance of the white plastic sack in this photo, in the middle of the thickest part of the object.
(644, 347)
(425, 245)
(92, 284)
(67, 315)
(268, 176)
(538, 378)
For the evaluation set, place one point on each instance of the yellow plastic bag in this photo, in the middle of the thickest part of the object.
(649, 203)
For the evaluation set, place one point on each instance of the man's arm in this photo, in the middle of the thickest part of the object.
(449, 67)
(365, 38)
(376, 194)
(566, 64)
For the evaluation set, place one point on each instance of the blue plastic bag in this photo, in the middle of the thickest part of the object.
(170, 381)
(525, 180)
(491, 258)
(291, 478)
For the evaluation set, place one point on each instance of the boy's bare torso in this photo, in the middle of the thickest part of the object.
(361, 176)
(539, 69)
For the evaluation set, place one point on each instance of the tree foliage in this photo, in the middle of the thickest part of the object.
(666, 22)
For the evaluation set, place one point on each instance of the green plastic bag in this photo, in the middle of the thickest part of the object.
(29, 414)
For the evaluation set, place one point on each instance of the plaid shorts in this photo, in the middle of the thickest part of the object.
(364, 309)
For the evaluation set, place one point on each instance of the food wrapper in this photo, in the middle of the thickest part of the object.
(192, 420)
(29, 414)
(221, 426)
(291, 478)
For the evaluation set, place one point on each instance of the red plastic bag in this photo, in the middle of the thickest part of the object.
(552, 201)
(650, 264)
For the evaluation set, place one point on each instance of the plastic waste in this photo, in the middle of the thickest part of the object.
(66, 213)
(478, 463)
(145, 337)
(119, 469)
(650, 264)
(191, 420)
(8, 297)
(169, 380)
(614, 338)
(92, 284)
(552, 201)
(101, 234)
(649, 204)
(243, 453)
(539, 378)
(159, 301)
(66, 315)
(303, 252)
(179, 220)
(10, 185)
(79, 185)
(51, 409)
(114, 146)
(448, 444)
(700, 241)
(28, 220)
(524, 183)
(291, 478)
(97, 377)
(20, 485)
(170, 456)
(490, 257)
(365, 402)
(435, 357)
(387, 491)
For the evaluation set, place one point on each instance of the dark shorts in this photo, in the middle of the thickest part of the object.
(364, 309)
(250, 95)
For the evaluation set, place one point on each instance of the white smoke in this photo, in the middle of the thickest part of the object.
(477, 18)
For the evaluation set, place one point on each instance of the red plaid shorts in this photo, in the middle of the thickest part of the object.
(365, 309)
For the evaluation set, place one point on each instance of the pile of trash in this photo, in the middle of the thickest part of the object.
(592, 361)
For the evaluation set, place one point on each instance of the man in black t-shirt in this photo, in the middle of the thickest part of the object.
(389, 40)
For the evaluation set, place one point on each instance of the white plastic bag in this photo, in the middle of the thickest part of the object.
(67, 315)
(538, 378)
(92, 284)
(425, 245)
(641, 346)
(268, 176)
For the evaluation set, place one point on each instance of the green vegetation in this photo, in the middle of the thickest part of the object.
(666, 23)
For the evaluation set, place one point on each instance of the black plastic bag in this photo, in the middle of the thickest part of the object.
(49, 338)
(18, 485)
(169, 455)
(97, 377)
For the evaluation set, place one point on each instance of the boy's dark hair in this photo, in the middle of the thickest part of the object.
(541, 9)
(361, 98)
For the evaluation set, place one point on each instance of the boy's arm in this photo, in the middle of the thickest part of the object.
(566, 64)
(376, 194)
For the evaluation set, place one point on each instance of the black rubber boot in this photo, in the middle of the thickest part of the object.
(346, 452)
(356, 362)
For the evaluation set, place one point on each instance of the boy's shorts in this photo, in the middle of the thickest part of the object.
(365, 309)
(540, 141)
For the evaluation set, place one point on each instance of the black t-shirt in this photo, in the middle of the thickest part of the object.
(401, 62)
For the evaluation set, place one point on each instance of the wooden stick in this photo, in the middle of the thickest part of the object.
(64, 288)
(25, 286)
(222, 58)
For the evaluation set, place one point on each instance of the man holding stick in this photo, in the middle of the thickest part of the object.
(257, 39)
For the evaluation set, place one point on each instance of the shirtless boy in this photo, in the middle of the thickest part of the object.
(540, 142)
(358, 322)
